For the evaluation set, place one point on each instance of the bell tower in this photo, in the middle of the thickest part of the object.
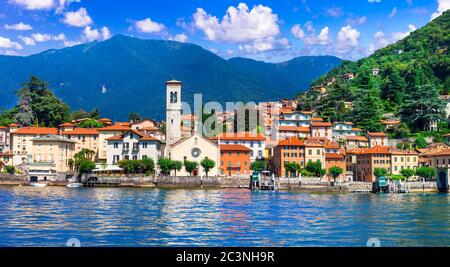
(173, 111)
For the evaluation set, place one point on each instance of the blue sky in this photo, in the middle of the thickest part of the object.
(266, 30)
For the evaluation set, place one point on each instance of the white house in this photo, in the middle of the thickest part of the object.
(342, 129)
(133, 145)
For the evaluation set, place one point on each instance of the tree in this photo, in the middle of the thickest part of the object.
(394, 88)
(423, 107)
(315, 167)
(134, 117)
(292, 167)
(335, 171)
(420, 141)
(379, 172)
(207, 165)
(80, 114)
(90, 123)
(25, 116)
(148, 165)
(426, 172)
(71, 164)
(367, 111)
(190, 166)
(10, 169)
(258, 165)
(83, 155)
(86, 166)
(408, 173)
(165, 165)
(176, 165)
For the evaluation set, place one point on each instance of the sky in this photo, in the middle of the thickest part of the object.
(272, 31)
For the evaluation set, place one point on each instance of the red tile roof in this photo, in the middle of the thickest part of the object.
(36, 130)
(333, 156)
(3, 127)
(240, 137)
(445, 152)
(294, 129)
(234, 148)
(376, 134)
(66, 124)
(294, 141)
(320, 124)
(115, 128)
(81, 131)
(356, 138)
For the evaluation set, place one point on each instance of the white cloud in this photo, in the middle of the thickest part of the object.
(265, 44)
(27, 40)
(374, 1)
(68, 43)
(230, 52)
(311, 38)
(44, 37)
(443, 5)
(393, 12)
(334, 12)
(347, 39)
(238, 24)
(400, 35)
(357, 21)
(9, 53)
(79, 18)
(149, 26)
(182, 38)
(62, 4)
(7, 43)
(19, 27)
(90, 34)
(34, 4)
(380, 41)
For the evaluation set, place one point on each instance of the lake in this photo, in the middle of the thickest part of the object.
(230, 217)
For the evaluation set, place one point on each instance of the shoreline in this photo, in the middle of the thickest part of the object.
(298, 189)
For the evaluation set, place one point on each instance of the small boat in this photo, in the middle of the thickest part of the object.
(74, 185)
(38, 184)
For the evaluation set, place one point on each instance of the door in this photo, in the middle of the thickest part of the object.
(442, 182)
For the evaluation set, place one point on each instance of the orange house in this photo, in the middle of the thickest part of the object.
(338, 160)
(234, 160)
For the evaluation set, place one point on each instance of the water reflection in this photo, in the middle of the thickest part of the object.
(155, 217)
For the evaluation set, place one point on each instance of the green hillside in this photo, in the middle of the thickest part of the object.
(413, 72)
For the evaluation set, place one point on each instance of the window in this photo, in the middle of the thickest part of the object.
(144, 145)
(116, 145)
(318, 151)
(134, 157)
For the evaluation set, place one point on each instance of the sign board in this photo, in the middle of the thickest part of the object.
(382, 181)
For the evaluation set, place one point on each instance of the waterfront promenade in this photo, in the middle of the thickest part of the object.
(280, 183)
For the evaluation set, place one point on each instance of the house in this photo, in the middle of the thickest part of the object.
(5, 159)
(22, 144)
(440, 162)
(234, 160)
(403, 159)
(4, 139)
(390, 123)
(85, 138)
(348, 76)
(195, 147)
(296, 150)
(296, 118)
(342, 129)
(106, 122)
(255, 142)
(321, 129)
(377, 139)
(285, 132)
(145, 123)
(351, 141)
(67, 126)
(133, 145)
(363, 161)
(105, 133)
(335, 160)
(49, 156)
(375, 71)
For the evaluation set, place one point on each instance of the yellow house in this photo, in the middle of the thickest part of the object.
(404, 159)
(50, 156)
(85, 139)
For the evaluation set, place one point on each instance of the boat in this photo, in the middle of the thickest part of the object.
(74, 185)
(38, 184)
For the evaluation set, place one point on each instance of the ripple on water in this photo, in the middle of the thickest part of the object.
(155, 217)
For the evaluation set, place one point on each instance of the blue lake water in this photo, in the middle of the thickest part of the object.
(156, 217)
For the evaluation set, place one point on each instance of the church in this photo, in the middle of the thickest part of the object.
(193, 148)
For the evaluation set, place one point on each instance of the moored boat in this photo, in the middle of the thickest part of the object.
(74, 185)
(38, 184)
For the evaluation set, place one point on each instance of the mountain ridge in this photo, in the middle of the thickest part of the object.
(134, 72)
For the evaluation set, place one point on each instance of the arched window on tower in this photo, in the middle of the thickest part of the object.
(173, 97)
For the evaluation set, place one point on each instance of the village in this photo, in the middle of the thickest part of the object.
(291, 143)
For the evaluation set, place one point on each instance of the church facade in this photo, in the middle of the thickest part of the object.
(193, 148)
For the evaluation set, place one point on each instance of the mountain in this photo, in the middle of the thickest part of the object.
(125, 74)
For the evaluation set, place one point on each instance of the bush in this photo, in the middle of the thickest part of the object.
(190, 166)
(378, 172)
(408, 173)
(86, 166)
(397, 177)
(10, 169)
(426, 172)
(146, 166)
(258, 165)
